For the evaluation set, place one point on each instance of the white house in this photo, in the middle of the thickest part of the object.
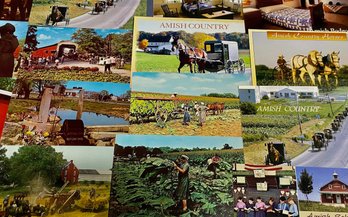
(159, 44)
(255, 93)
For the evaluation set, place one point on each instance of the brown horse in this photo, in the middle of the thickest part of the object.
(217, 108)
(189, 55)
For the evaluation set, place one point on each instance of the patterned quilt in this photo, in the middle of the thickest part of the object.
(290, 18)
(193, 7)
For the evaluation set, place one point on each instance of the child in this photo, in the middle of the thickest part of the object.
(240, 207)
(260, 207)
(293, 211)
(250, 208)
(271, 208)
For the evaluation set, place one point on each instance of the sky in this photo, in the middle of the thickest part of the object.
(266, 51)
(21, 28)
(116, 89)
(84, 157)
(188, 84)
(321, 176)
(51, 35)
(153, 25)
(190, 142)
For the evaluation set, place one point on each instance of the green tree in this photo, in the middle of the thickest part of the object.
(4, 167)
(89, 41)
(32, 162)
(121, 45)
(306, 183)
(7, 84)
(248, 108)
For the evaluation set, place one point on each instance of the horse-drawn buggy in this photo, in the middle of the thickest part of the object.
(276, 154)
(319, 141)
(223, 55)
(329, 135)
(100, 6)
(58, 14)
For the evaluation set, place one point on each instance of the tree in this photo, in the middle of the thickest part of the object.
(157, 151)
(31, 40)
(143, 44)
(306, 183)
(121, 45)
(33, 162)
(7, 84)
(4, 167)
(248, 108)
(199, 39)
(89, 41)
(227, 146)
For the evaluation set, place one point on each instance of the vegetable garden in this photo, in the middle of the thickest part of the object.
(146, 188)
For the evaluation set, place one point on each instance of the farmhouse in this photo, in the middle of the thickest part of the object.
(5, 97)
(254, 94)
(70, 173)
(55, 50)
(334, 192)
(160, 44)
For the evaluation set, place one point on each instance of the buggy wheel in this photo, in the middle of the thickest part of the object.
(229, 67)
(161, 116)
(48, 19)
(241, 66)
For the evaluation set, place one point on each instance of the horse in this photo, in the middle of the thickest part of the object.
(216, 107)
(189, 55)
(306, 64)
(331, 67)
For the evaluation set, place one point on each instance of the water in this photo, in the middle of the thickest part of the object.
(91, 118)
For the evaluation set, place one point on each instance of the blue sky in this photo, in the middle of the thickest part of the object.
(178, 141)
(51, 35)
(113, 88)
(321, 176)
(188, 84)
(84, 157)
(21, 28)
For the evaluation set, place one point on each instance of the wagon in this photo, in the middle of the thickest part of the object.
(276, 154)
(58, 14)
(319, 141)
(99, 6)
(282, 72)
(223, 55)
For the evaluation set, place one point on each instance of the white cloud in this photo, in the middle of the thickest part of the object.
(44, 37)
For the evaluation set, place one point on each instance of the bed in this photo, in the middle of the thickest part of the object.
(275, 12)
(191, 9)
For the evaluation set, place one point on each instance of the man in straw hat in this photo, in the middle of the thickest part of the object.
(182, 191)
(8, 45)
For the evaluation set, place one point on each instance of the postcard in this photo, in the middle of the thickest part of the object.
(56, 180)
(15, 10)
(322, 191)
(186, 104)
(103, 14)
(173, 175)
(67, 113)
(76, 54)
(190, 45)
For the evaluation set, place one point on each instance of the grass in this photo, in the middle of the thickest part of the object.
(317, 207)
(140, 11)
(146, 62)
(112, 109)
(41, 9)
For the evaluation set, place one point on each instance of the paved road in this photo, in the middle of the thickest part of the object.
(336, 154)
(114, 17)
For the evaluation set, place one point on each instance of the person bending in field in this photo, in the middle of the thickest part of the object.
(213, 164)
(182, 190)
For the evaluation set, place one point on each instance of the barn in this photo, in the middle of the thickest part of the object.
(5, 97)
(70, 173)
(58, 49)
(334, 192)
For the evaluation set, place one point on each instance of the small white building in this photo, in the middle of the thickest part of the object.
(254, 94)
(161, 44)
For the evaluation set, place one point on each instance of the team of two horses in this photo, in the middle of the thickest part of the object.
(314, 64)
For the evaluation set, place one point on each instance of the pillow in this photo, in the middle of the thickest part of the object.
(273, 8)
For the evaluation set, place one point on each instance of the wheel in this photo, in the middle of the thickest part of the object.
(161, 116)
(241, 66)
(229, 67)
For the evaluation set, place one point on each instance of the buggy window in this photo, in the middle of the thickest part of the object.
(208, 48)
(213, 48)
(217, 48)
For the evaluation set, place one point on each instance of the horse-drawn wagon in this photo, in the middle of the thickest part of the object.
(100, 6)
(59, 13)
(223, 55)
(319, 141)
(276, 154)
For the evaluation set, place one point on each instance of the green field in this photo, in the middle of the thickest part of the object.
(317, 207)
(140, 11)
(146, 62)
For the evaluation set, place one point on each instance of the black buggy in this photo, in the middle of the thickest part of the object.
(58, 14)
(99, 6)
